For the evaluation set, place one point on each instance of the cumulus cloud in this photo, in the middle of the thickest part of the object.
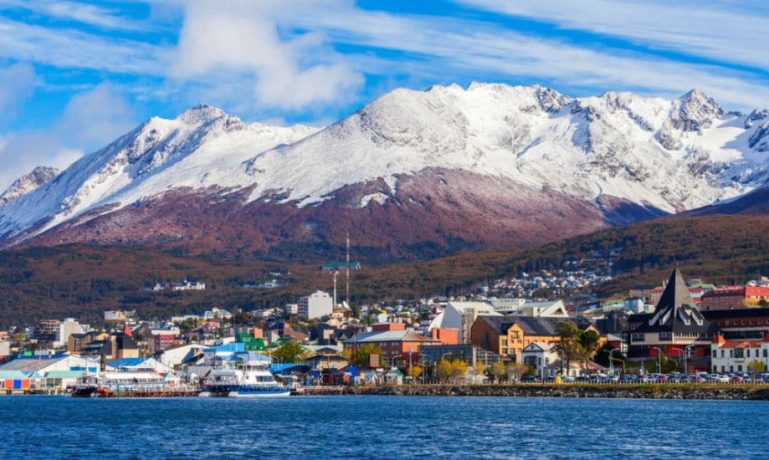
(289, 70)
(90, 120)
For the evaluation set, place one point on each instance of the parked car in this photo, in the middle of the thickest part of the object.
(528, 379)
(629, 378)
(736, 379)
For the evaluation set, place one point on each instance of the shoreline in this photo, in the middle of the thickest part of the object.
(630, 391)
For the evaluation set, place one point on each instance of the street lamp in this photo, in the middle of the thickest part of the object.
(611, 360)
(659, 359)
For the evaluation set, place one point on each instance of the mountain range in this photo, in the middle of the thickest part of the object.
(413, 174)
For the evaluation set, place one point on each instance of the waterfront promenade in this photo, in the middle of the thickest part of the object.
(756, 392)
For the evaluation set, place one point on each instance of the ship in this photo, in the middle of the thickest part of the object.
(243, 375)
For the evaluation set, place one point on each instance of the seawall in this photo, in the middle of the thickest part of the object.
(640, 391)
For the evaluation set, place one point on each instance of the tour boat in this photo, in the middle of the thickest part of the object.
(246, 376)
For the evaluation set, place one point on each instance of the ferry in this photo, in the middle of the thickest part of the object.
(246, 375)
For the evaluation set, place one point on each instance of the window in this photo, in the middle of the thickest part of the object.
(765, 353)
(747, 353)
(722, 353)
(637, 337)
(666, 336)
(515, 334)
(715, 353)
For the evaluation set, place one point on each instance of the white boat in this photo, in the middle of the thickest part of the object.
(246, 375)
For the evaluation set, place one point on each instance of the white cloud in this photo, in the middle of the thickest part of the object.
(91, 120)
(289, 71)
(715, 29)
(17, 83)
(74, 11)
(67, 48)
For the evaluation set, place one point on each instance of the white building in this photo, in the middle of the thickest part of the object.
(523, 307)
(187, 285)
(183, 354)
(460, 316)
(316, 305)
(540, 357)
(66, 328)
(292, 309)
(736, 355)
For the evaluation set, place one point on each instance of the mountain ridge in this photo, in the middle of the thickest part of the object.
(511, 154)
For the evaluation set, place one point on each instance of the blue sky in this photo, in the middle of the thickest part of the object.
(75, 74)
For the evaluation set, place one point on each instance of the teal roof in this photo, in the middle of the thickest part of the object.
(64, 374)
(12, 375)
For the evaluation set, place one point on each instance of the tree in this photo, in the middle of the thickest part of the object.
(289, 352)
(414, 372)
(756, 366)
(516, 370)
(450, 370)
(569, 347)
(360, 355)
(498, 371)
(479, 368)
(589, 342)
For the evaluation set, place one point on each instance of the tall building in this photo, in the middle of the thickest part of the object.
(316, 305)
(66, 328)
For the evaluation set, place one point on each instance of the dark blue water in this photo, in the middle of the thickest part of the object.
(382, 427)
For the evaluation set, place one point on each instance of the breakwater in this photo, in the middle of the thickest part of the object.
(640, 391)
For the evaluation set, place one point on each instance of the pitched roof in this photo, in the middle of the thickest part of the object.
(389, 336)
(676, 311)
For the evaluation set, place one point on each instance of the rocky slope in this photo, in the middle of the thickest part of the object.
(41, 175)
(412, 174)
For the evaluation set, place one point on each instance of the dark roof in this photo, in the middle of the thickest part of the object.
(676, 311)
(531, 325)
(736, 313)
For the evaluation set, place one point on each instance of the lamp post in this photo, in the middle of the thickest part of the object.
(659, 359)
(611, 360)
(686, 356)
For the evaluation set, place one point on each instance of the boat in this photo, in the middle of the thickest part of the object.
(244, 375)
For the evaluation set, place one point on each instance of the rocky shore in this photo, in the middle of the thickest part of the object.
(641, 391)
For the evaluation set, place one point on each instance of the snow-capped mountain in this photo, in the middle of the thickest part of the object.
(413, 173)
(41, 175)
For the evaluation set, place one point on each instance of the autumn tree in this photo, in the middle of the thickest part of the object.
(360, 355)
(414, 372)
(289, 352)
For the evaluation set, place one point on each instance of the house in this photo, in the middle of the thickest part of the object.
(162, 339)
(461, 315)
(326, 358)
(675, 326)
(65, 329)
(509, 335)
(737, 355)
(735, 297)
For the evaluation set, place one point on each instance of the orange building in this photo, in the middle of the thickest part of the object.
(397, 346)
(509, 335)
(731, 298)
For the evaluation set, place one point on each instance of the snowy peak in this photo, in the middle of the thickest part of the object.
(650, 155)
(39, 176)
(696, 111)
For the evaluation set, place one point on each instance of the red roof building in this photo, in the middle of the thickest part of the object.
(733, 297)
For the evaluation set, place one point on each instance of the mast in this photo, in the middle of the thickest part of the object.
(347, 270)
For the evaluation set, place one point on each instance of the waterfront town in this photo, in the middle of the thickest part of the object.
(682, 331)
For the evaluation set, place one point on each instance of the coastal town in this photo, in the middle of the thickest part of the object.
(683, 331)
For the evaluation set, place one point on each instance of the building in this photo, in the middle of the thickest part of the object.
(396, 345)
(139, 365)
(162, 339)
(471, 354)
(510, 335)
(522, 307)
(316, 305)
(676, 327)
(325, 359)
(731, 298)
(46, 330)
(461, 315)
(540, 357)
(737, 355)
(66, 328)
(182, 355)
(5, 349)
(77, 342)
